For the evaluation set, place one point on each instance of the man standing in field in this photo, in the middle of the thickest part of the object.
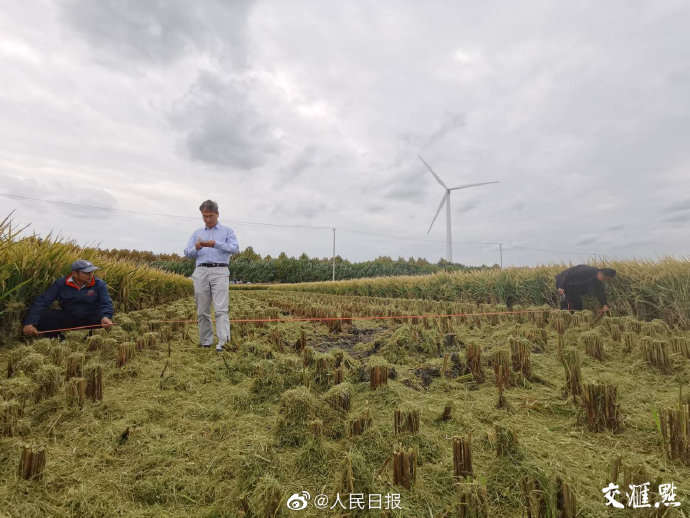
(84, 300)
(581, 280)
(211, 247)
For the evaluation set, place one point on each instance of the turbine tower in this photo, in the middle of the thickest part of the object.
(446, 200)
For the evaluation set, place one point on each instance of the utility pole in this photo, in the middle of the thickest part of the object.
(500, 254)
(333, 253)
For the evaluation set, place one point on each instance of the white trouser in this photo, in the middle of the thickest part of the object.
(211, 284)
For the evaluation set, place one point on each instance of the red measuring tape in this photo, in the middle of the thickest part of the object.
(320, 319)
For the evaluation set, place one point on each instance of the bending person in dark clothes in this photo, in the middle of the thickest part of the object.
(581, 280)
(84, 300)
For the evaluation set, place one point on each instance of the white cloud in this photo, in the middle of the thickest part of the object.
(13, 49)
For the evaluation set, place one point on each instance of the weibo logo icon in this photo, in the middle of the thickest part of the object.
(298, 501)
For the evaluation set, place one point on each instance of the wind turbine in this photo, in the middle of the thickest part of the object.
(446, 200)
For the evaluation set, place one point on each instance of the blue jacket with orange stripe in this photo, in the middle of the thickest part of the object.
(92, 299)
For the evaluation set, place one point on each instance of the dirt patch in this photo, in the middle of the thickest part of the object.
(426, 374)
(347, 342)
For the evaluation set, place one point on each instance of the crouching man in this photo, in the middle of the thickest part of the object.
(581, 280)
(83, 298)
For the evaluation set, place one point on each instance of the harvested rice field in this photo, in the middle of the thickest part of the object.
(486, 414)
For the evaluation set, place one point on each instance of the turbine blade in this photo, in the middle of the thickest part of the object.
(470, 185)
(432, 172)
(445, 196)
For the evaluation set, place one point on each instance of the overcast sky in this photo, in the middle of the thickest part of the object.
(313, 113)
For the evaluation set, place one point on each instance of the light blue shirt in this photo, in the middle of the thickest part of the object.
(226, 245)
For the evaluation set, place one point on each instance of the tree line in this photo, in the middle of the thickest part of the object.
(249, 266)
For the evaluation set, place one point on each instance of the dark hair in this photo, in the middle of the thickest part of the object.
(209, 206)
(608, 272)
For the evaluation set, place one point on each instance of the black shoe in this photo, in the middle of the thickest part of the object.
(206, 346)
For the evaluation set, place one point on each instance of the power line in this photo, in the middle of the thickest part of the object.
(284, 225)
(403, 238)
(128, 211)
(554, 251)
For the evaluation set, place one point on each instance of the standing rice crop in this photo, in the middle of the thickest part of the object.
(29, 265)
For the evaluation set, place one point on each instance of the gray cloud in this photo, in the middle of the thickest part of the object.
(68, 199)
(586, 240)
(678, 218)
(90, 203)
(678, 206)
(517, 206)
(637, 243)
(305, 211)
(464, 206)
(310, 158)
(222, 126)
(449, 123)
(405, 193)
(306, 159)
(159, 33)
(375, 209)
(410, 183)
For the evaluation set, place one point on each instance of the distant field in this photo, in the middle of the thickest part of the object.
(186, 432)
(646, 289)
